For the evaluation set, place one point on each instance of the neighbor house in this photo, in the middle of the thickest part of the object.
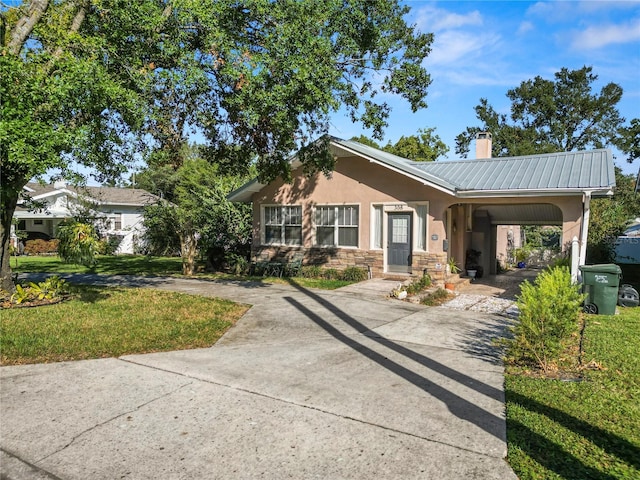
(118, 211)
(392, 215)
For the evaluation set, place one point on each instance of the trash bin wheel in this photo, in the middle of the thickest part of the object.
(590, 308)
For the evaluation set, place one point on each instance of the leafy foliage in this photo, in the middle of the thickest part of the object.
(549, 312)
(550, 116)
(610, 217)
(92, 83)
(195, 213)
(52, 288)
(39, 246)
(628, 140)
(425, 146)
(79, 243)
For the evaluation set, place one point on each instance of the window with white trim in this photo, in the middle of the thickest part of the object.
(337, 226)
(422, 212)
(283, 225)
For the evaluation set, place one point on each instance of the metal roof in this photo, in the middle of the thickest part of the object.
(531, 175)
(561, 172)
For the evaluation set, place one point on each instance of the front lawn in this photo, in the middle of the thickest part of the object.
(109, 322)
(581, 428)
(144, 265)
(106, 264)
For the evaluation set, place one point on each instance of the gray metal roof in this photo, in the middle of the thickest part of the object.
(543, 174)
(564, 171)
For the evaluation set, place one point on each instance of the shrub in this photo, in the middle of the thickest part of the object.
(311, 271)
(236, 264)
(418, 285)
(354, 274)
(40, 247)
(549, 312)
(78, 243)
(331, 274)
(436, 298)
(52, 287)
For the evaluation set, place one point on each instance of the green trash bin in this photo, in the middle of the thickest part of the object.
(601, 283)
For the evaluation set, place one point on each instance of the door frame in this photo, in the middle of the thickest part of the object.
(409, 214)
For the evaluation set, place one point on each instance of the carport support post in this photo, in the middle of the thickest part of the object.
(574, 259)
(586, 210)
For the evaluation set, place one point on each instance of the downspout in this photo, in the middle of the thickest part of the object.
(586, 210)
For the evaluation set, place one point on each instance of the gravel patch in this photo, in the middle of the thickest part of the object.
(483, 304)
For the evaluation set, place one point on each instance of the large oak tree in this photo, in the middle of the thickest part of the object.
(89, 82)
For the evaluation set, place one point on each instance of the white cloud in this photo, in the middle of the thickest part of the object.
(432, 19)
(454, 46)
(598, 36)
(525, 27)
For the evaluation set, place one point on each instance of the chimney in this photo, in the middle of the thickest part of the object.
(483, 145)
(60, 184)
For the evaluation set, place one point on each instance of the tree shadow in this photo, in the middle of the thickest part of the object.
(483, 339)
(459, 406)
(539, 447)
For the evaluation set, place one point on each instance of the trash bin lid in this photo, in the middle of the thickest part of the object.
(602, 268)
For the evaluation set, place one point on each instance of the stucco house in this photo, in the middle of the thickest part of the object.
(396, 216)
(119, 211)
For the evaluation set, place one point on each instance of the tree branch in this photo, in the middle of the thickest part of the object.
(25, 25)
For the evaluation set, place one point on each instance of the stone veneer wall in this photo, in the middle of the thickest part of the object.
(341, 258)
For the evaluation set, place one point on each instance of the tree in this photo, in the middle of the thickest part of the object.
(550, 116)
(79, 243)
(256, 79)
(194, 211)
(65, 101)
(425, 146)
(628, 140)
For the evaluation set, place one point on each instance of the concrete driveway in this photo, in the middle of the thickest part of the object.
(308, 384)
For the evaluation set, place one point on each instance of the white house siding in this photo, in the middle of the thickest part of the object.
(124, 219)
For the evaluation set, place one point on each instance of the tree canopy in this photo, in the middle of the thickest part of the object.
(424, 146)
(546, 116)
(95, 83)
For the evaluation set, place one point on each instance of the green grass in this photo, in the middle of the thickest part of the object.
(110, 322)
(111, 265)
(586, 429)
(143, 265)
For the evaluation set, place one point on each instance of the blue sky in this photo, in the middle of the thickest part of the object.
(483, 49)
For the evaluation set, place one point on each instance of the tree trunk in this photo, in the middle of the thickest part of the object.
(25, 25)
(8, 207)
(189, 251)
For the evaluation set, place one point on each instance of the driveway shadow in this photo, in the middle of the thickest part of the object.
(459, 406)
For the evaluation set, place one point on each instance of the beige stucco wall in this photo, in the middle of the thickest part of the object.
(357, 181)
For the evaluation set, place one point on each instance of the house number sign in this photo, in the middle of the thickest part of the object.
(398, 207)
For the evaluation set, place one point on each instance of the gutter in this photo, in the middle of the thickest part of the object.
(532, 193)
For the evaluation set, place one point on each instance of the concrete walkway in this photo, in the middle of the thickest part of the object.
(308, 384)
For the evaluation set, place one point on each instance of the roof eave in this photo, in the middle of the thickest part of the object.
(551, 192)
(244, 193)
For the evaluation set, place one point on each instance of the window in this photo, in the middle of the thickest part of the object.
(283, 225)
(38, 222)
(115, 222)
(377, 226)
(337, 226)
(421, 226)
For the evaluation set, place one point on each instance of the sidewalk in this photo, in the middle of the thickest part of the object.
(308, 384)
